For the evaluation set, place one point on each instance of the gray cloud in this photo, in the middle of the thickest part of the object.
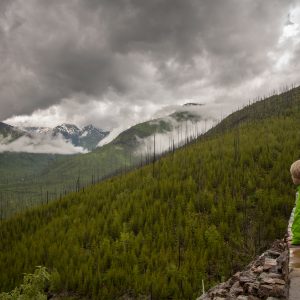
(39, 144)
(111, 62)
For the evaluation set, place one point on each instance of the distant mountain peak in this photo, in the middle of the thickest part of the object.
(91, 128)
(65, 128)
(88, 137)
(4, 125)
(193, 104)
(88, 127)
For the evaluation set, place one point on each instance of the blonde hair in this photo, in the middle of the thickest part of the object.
(295, 171)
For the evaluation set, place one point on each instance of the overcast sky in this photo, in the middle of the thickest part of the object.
(114, 62)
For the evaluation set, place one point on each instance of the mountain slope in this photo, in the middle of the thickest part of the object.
(90, 137)
(19, 166)
(200, 213)
(284, 104)
(9, 133)
(184, 119)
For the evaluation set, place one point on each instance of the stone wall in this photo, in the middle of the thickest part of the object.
(294, 263)
(264, 278)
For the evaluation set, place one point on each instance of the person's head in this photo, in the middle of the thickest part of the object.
(295, 172)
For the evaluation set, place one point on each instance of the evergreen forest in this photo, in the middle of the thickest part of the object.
(202, 212)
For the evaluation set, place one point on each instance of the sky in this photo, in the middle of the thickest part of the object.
(115, 63)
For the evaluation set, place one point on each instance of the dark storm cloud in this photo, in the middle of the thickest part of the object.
(76, 49)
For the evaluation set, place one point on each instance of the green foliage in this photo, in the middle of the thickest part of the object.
(32, 287)
(202, 212)
(27, 180)
(17, 167)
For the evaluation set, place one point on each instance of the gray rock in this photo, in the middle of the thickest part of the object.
(236, 276)
(268, 280)
(269, 275)
(279, 281)
(278, 291)
(269, 263)
(265, 290)
(236, 289)
(273, 253)
(220, 292)
(274, 275)
(258, 269)
(224, 285)
(272, 290)
(247, 276)
(252, 287)
(282, 262)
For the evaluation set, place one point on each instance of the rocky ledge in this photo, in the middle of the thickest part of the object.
(264, 278)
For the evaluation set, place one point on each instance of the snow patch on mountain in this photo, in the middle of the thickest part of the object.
(37, 130)
(67, 130)
(112, 135)
(84, 134)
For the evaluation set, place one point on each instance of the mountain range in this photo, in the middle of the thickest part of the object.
(87, 137)
(27, 174)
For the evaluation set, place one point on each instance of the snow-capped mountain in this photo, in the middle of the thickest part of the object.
(91, 130)
(87, 137)
(69, 131)
(90, 137)
(38, 130)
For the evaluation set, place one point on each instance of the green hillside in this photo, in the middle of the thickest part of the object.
(202, 212)
(31, 179)
(129, 138)
(20, 166)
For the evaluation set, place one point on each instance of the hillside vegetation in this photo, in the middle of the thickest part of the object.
(200, 213)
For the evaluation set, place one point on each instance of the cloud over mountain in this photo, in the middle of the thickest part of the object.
(40, 144)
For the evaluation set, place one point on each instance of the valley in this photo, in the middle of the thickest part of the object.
(201, 212)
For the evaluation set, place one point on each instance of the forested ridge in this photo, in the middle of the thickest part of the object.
(200, 213)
